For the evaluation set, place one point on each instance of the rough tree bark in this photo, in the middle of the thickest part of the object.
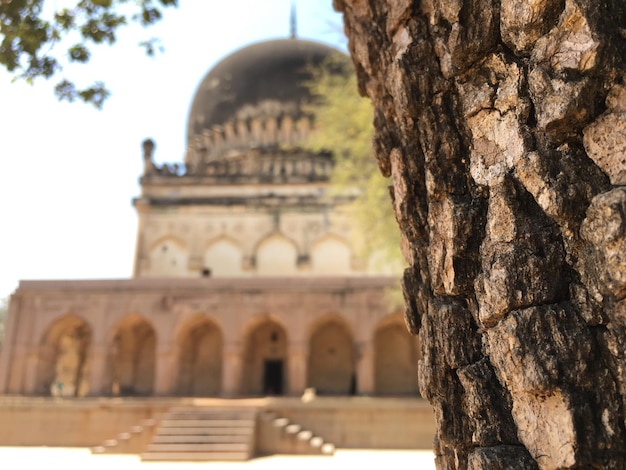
(503, 126)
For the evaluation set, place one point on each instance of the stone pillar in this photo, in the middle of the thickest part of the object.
(164, 370)
(231, 370)
(32, 364)
(97, 370)
(364, 367)
(8, 348)
(17, 371)
(296, 371)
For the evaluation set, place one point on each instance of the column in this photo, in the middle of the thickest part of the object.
(30, 382)
(164, 370)
(97, 370)
(365, 368)
(16, 383)
(231, 370)
(296, 373)
(7, 360)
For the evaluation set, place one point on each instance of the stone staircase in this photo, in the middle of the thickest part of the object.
(132, 441)
(278, 435)
(198, 433)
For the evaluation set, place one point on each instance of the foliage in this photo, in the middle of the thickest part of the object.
(30, 33)
(343, 122)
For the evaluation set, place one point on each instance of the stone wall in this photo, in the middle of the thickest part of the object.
(381, 423)
(138, 337)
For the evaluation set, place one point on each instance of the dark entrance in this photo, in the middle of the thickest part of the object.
(273, 377)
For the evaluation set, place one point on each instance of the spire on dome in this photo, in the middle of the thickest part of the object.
(293, 23)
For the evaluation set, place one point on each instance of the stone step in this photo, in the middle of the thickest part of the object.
(328, 448)
(305, 435)
(208, 423)
(203, 434)
(201, 417)
(195, 456)
(293, 428)
(217, 413)
(189, 447)
(205, 430)
(200, 438)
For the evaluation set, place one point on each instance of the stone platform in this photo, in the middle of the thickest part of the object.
(346, 422)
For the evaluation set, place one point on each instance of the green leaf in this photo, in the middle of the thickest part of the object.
(79, 53)
(27, 39)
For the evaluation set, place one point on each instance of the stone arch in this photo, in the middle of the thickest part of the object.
(132, 357)
(200, 352)
(331, 365)
(331, 255)
(276, 255)
(64, 357)
(264, 370)
(395, 358)
(169, 257)
(223, 257)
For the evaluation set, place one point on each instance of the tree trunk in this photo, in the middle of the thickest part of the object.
(503, 126)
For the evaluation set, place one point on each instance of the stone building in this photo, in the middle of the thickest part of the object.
(245, 280)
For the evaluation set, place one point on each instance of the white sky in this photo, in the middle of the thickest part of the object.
(69, 171)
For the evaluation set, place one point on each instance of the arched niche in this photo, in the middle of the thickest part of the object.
(200, 359)
(223, 258)
(331, 256)
(276, 256)
(132, 357)
(265, 360)
(395, 360)
(64, 357)
(168, 258)
(331, 366)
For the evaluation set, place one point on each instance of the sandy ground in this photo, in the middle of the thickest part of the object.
(63, 458)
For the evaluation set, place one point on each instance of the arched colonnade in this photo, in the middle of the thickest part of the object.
(198, 358)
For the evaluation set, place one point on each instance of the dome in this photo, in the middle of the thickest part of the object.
(259, 81)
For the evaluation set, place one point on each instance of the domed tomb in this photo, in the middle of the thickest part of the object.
(253, 99)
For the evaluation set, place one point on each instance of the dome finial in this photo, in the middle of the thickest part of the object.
(293, 23)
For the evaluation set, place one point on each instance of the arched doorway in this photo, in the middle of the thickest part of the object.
(223, 258)
(168, 258)
(265, 360)
(64, 358)
(133, 358)
(276, 256)
(200, 360)
(395, 356)
(331, 366)
(331, 256)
